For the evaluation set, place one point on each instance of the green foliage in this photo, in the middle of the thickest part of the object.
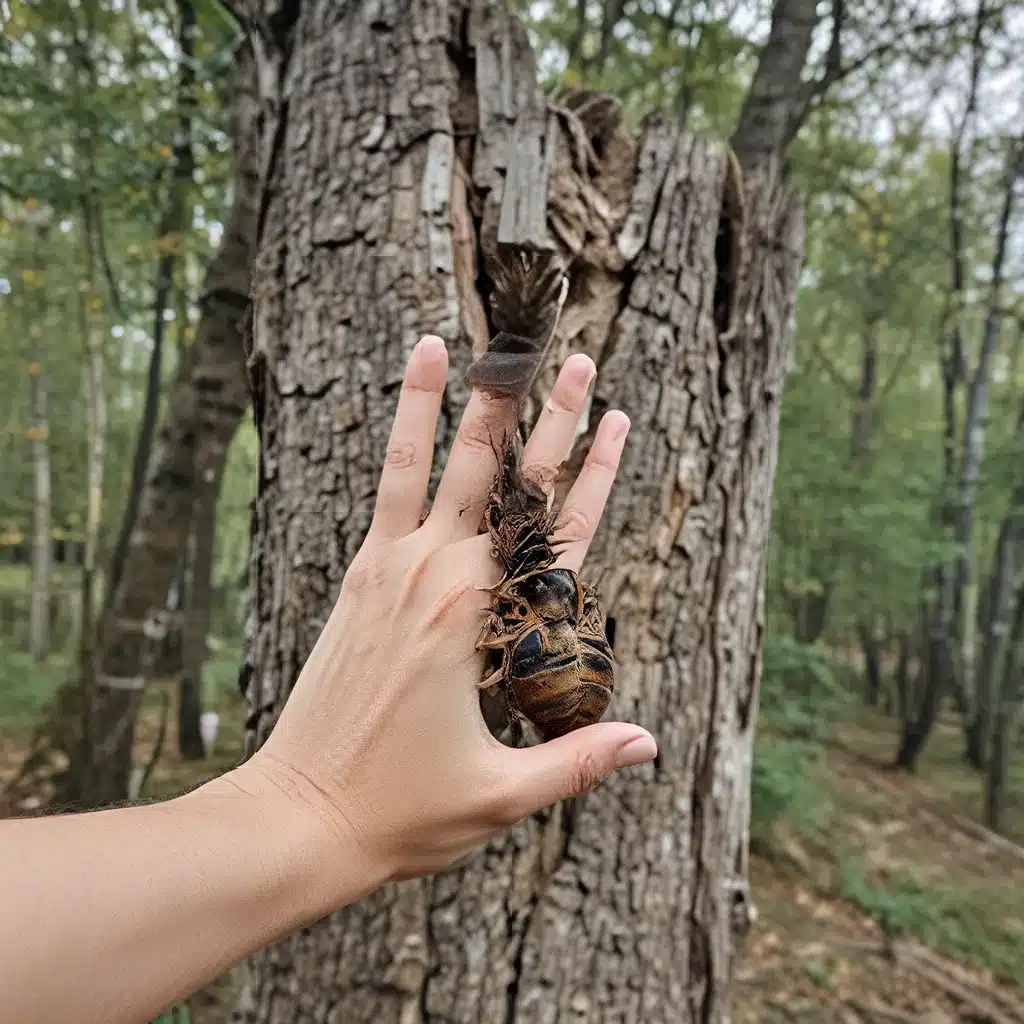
(802, 692)
(802, 687)
(25, 687)
(88, 112)
(975, 924)
(787, 787)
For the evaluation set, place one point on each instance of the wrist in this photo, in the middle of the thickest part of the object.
(312, 864)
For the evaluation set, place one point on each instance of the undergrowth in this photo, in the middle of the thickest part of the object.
(25, 687)
(982, 924)
(977, 919)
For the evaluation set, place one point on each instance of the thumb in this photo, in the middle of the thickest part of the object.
(578, 762)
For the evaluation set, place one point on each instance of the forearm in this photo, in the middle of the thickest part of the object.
(115, 915)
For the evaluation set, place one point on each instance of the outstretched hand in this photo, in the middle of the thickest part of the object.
(379, 768)
(382, 738)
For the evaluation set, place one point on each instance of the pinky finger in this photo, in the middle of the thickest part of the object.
(584, 505)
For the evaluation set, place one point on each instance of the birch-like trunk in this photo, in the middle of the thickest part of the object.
(196, 616)
(96, 403)
(170, 241)
(39, 433)
(399, 141)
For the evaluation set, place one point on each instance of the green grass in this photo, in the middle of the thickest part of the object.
(19, 577)
(981, 923)
(948, 902)
(25, 687)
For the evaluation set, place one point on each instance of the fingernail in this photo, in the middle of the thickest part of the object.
(431, 343)
(636, 751)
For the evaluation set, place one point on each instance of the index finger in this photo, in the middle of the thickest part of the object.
(472, 466)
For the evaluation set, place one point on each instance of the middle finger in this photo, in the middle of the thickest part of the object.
(472, 466)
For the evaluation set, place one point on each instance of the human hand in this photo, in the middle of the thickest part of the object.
(382, 742)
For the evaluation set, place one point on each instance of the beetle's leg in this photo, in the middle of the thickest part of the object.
(495, 677)
(503, 639)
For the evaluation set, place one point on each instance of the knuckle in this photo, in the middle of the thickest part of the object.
(564, 403)
(504, 807)
(477, 437)
(401, 456)
(542, 472)
(365, 574)
(586, 774)
(576, 525)
(600, 461)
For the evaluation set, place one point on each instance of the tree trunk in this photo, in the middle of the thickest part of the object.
(96, 399)
(1005, 719)
(901, 678)
(974, 438)
(948, 657)
(399, 142)
(999, 630)
(209, 398)
(39, 432)
(872, 650)
(196, 618)
(170, 239)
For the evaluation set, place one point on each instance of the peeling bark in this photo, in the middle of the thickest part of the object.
(388, 131)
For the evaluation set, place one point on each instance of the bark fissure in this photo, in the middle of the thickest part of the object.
(620, 906)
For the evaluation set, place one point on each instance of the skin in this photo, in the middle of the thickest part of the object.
(380, 767)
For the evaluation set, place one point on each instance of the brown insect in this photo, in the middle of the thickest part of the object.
(554, 660)
(549, 660)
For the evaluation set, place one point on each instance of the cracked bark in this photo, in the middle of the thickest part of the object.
(399, 141)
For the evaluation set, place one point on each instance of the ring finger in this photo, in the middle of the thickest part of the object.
(552, 438)
(584, 505)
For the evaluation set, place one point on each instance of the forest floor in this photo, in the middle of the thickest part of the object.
(880, 897)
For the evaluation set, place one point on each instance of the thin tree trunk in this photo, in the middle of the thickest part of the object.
(170, 246)
(209, 398)
(938, 664)
(196, 619)
(39, 433)
(626, 905)
(974, 442)
(774, 106)
(96, 399)
(901, 678)
(996, 641)
(1006, 721)
(872, 650)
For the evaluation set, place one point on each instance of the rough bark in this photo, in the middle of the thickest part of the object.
(170, 234)
(39, 433)
(83, 754)
(777, 100)
(196, 617)
(626, 905)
